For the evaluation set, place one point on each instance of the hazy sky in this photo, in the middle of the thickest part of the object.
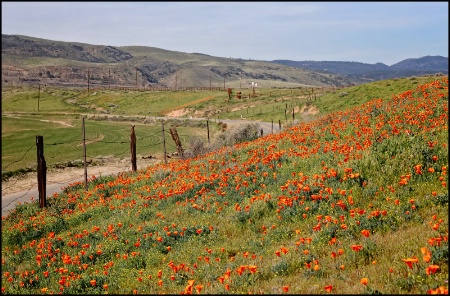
(367, 32)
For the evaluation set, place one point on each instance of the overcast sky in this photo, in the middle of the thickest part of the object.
(367, 32)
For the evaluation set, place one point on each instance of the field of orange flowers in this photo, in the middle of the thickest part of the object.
(353, 202)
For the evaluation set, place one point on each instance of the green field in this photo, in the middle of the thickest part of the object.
(111, 137)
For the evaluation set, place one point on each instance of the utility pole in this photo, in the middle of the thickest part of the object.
(136, 78)
(88, 82)
(209, 81)
(240, 80)
(109, 79)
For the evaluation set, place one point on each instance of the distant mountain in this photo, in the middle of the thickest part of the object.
(30, 60)
(361, 72)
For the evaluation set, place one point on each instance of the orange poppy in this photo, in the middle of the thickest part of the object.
(365, 232)
(199, 288)
(432, 269)
(410, 261)
(364, 281)
(329, 288)
(356, 248)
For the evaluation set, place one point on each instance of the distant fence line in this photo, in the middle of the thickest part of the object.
(149, 88)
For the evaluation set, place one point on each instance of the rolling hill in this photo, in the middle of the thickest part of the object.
(39, 61)
(362, 73)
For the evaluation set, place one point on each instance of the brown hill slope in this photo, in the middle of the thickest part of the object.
(40, 61)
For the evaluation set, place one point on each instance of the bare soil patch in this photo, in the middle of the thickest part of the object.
(178, 112)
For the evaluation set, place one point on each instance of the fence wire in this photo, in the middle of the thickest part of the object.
(19, 196)
(17, 160)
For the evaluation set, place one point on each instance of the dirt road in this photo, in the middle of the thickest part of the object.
(24, 188)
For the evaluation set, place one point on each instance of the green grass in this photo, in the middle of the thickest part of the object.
(63, 145)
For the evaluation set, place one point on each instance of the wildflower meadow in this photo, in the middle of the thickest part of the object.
(355, 201)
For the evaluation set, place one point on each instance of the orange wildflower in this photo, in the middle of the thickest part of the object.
(285, 289)
(332, 241)
(328, 288)
(432, 269)
(252, 268)
(199, 288)
(364, 281)
(410, 261)
(439, 290)
(241, 269)
(365, 232)
(356, 248)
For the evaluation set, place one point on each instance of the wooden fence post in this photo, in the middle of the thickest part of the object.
(133, 149)
(176, 139)
(42, 172)
(279, 124)
(207, 127)
(164, 142)
(84, 153)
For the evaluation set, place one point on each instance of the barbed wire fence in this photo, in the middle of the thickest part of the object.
(149, 141)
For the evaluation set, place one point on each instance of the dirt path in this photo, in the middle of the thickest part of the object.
(178, 111)
(23, 188)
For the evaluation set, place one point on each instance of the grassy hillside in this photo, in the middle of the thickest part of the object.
(269, 104)
(354, 201)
